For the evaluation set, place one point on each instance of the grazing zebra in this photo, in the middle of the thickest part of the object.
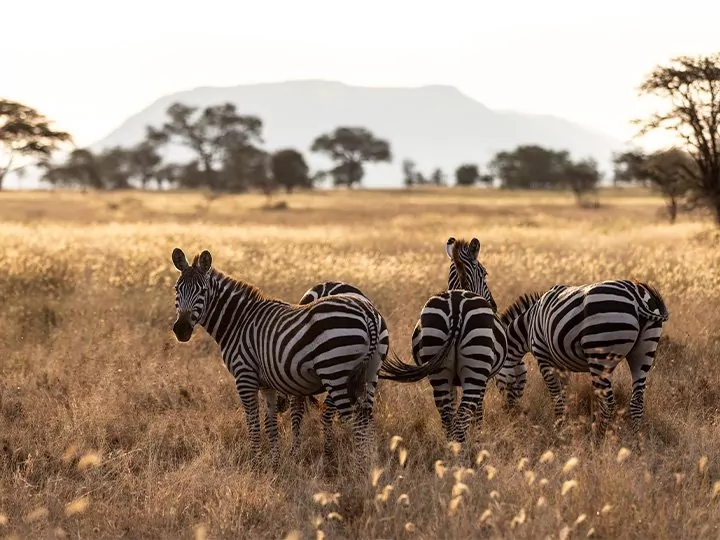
(589, 328)
(269, 345)
(461, 325)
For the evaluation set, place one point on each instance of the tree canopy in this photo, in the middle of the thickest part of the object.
(689, 90)
(25, 132)
(350, 148)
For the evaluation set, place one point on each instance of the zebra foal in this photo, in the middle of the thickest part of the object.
(588, 328)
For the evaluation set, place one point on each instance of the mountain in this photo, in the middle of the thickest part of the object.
(436, 126)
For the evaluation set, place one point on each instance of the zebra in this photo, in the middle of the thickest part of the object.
(467, 273)
(588, 328)
(269, 345)
(461, 325)
(298, 404)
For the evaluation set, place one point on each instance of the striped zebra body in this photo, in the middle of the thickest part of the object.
(461, 323)
(268, 345)
(589, 328)
(461, 326)
(298, 404)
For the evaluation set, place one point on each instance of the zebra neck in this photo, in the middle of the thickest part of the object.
(230, 307)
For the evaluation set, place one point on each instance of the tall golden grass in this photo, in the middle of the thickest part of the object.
(109, 427)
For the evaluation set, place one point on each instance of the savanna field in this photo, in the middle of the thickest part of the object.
(111, 428)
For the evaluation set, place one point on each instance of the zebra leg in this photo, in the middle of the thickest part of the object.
(271, 425)
(555, 386)
(640, 359)
(471, 406)
(601, 370)
(249, 399)
(444, 394)
(328, 414)
(297, 411)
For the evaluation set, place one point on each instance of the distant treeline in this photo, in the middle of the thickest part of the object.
(226, 155)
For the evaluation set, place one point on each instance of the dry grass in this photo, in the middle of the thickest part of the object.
(109, 427)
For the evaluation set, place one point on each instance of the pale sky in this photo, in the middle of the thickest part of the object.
(89, 65)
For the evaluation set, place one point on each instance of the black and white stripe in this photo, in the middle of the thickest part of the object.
(269, 345)
(589, 328)
(461, 325)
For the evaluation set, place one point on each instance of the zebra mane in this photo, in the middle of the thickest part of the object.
(459, 266)
(250, 290)
(521, 304)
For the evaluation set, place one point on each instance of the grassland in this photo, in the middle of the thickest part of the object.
(110, 428)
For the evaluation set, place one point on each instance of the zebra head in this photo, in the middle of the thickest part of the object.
(466, 272)
(191, 291)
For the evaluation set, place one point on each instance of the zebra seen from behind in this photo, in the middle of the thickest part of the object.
(460, 324)
(298, 404)
(269, 345)
(589, 328)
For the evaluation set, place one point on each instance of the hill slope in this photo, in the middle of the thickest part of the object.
(436, 126)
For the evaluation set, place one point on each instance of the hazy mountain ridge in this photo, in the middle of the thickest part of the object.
(436, 126)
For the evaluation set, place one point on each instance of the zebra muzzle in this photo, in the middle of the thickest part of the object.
(182, 328)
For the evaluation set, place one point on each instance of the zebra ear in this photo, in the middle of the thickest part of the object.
(179, 259)
(475, 247)
(449, 246)
(205, 262)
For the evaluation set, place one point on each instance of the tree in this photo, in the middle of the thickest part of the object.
(290, 170)
(467, 175)
(144, 159)
(437, 177)
(26, 132)
(486, 179)
(84, 168)
(582, 177)
(628, 167)
(690, 88)
(350, 148)
(530, 167)
(213, 134)
(409, 173)
(672, 172)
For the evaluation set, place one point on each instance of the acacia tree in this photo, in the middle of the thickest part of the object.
(350, 148)
(213, 134)
(25, 132)
(690, 89)
(672, 172)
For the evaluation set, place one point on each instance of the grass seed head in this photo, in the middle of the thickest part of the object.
(324, 498)
(483, 454)
(402, 456)
(454, 447)
(521, 464)
(580, 520)
(440, 468)
(334, 516)
(3, 520)
(567, 486)
(293, 535)
(606, 509)
(715, 490)
(547, 457)
(529, 477)
(375, 476)
(395, 442)
(702, 464)
(541, 502)
(518, 519)
(487, 514)
(77, 506)
(459, 489)
(490, 471)
(622, 455)
(91, 459)
(410, 527)
(200, 532)
(453, 506)
(384, 495)
(36, 515)
(403, 499)
(570, 464)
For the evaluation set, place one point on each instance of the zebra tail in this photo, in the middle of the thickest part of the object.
(394, 369)
(358, 376)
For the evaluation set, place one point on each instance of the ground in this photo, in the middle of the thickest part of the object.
(109, 427)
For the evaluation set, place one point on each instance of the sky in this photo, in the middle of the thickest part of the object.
(89, 65)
